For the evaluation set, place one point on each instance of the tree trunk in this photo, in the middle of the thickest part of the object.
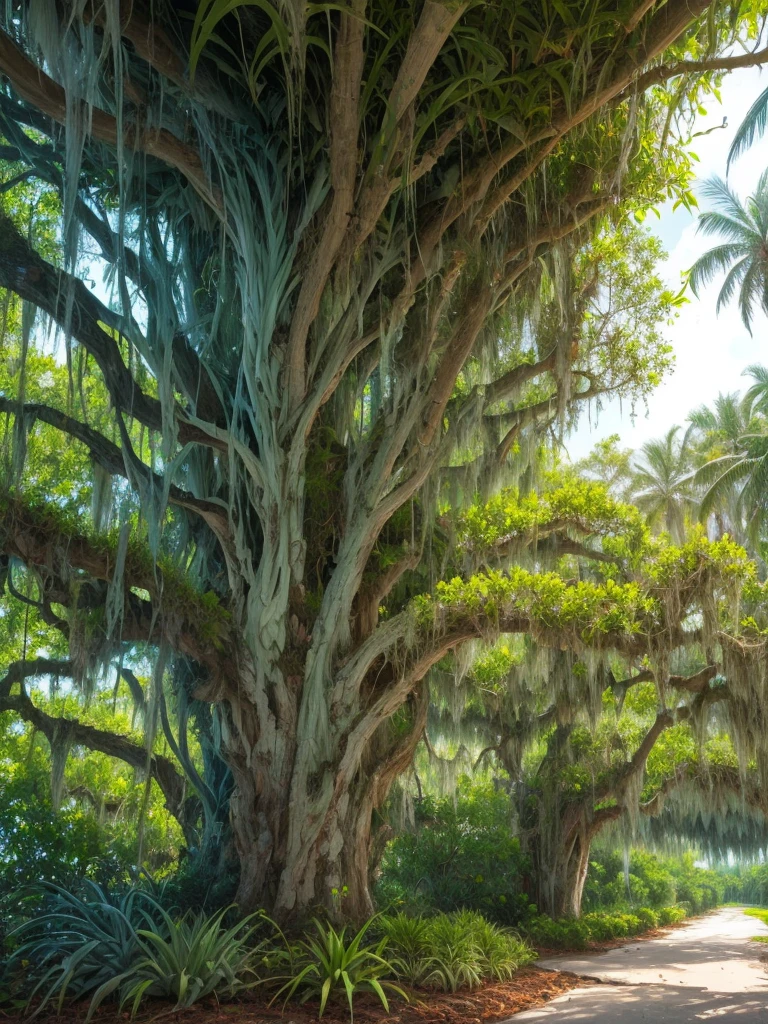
(560, 854)
(304, 840)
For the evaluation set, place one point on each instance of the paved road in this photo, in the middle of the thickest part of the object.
(708, 970)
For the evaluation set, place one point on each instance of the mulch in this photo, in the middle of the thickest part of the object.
(530, 987)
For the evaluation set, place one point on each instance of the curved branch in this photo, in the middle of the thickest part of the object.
(663, 72)
(108, 455)
(664, 28)
(68, 302)
(38, 538)
(47, 96)
(171, 782)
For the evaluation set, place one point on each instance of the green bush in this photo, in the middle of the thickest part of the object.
(652, 882)
(671, 915)
(73, 945)
(747, 885)
(43, 845)
(649, 882)
(460, 856)
(452, 951)
(598, 926)
(603, 927)
(567, 933)
(649, 919)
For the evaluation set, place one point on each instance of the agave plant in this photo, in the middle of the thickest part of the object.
(189, 959)
(331, 963)
(80, 941)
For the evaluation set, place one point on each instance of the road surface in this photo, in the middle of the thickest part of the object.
(707, 970)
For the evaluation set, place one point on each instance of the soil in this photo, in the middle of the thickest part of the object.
(530, 987)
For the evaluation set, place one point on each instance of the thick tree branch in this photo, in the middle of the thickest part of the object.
(663, 72)
(665, 27)
(638, 14)
(161, 769)
(471, 320)
(435, 24)
(348, 64)
(504, 387)
(110, 457)
(75, 309)
(19, 671)
(38, 539)
(47, 96)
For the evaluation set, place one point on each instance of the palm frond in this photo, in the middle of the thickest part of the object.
(723, 196)
(752, 126)
(711, 263)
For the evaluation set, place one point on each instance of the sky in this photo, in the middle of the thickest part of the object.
(711, 351)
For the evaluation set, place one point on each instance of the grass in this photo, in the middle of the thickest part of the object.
(761, 915)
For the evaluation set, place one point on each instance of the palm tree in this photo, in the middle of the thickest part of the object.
(661, 484)
(736, 480)
(719, 433)
(721, 427)
(744, 254)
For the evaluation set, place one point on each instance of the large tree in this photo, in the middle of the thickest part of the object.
(326, 231)
(575, 718)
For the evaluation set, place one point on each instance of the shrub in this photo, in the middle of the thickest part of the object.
(649, 882)
(331, 964)
(92, 944)
(597, 926)
(462, 856)
(632, 923)
(671, 915)
(648, 918)
(452, 951)
(568, 933)
(187, 960)
(408, 938)
(603, 927)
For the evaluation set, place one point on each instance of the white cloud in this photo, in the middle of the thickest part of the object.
(711, 351)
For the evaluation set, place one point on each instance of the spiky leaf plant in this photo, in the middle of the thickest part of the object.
(75, 944)
(452, 951)
(188, 959)
(333, 963)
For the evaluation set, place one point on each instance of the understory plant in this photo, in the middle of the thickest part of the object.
(331, 963)
(74, 943)
(453, 951)
(599, 926)
(189, 959)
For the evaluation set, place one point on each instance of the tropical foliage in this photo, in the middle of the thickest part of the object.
(744, 225)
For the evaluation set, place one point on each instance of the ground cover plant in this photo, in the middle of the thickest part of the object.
(128, 950)
(761, 915)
